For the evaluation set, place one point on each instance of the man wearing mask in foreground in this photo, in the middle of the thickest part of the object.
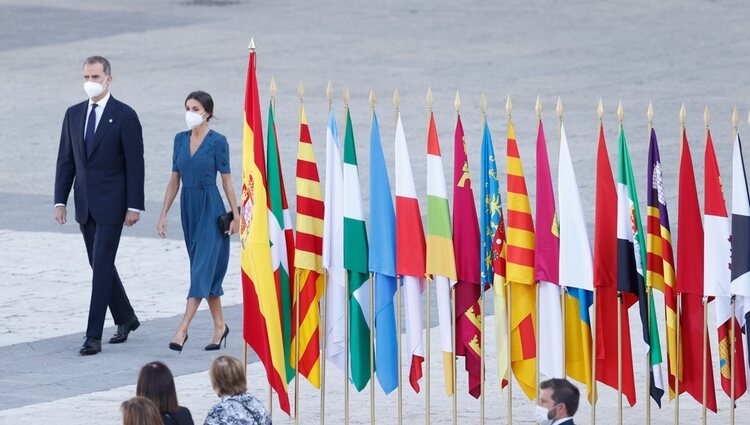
(558, 402)
(101, 156)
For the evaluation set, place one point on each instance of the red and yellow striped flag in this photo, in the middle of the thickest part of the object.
(308, 256)
(520, 272)
(261, 321)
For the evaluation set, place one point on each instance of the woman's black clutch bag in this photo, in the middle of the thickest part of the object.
(225, 220)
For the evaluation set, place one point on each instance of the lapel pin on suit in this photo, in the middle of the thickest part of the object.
(110, 120)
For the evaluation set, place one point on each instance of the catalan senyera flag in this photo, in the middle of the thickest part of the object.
(605, 280)
(716, 272)
(546, 265)
(659, 255)
(576, 270)
(466, 246)
(355, 263)
(382, 262)
(308, 256)
(631, 254)
(333, 248)
(261, 316)
(282, 241)
(740, 284)
(690, 285)
(410, 255)
(520, 272)
(441, 261)
(492, 252)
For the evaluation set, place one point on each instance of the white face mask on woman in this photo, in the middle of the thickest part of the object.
(541, 415)
(93, 89)
(193, 119)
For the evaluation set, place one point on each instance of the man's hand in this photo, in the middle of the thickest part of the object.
(161, 227)
(61, 214)
(132, 217)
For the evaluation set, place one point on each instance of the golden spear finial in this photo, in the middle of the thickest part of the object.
(251, 46)
(372, 98)
(735, 118)
(508, 106)
(538, 107)
(457, 103)
(600, 110)
(483, 105)
(346, 96)
(706, 116)
(683, 114)
(650, 113)
(300, 90)
(329, 93)
(428, 99)
(559, 108)
(620, 113)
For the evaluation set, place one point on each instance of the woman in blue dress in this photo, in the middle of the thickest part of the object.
(199, 153)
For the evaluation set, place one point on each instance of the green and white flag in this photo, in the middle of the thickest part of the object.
(355, 263)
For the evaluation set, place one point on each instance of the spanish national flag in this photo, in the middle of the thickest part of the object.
(262, 321)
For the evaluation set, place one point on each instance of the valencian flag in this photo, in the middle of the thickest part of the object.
(631, 265)
(441, 262)
(333, 248)
(466, 246)
(520, 272)
(262, 320)
(382, 261)
(605, 280)
(355, 263)
(740, 284)
(716, 273)
(493, 243)
(546, 267)
(659, 258)
(410, 255)
(282, 241)
(576, 270)
(690, 285)
(308, 256)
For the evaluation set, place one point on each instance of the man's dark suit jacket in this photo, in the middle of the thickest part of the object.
(109, 181)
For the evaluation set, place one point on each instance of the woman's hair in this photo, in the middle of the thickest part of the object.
(140, 411)
(205, 100)
(155, 382)
(228, 376)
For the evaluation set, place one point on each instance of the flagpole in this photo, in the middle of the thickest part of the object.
(683, 116)
(457, 105)
(324, 330)
(396, 104)
(373, 99)
(648, 322)
(538, 110)
(509, 331)
(483, 109)
(428, 99)
(706, 120)
(594, 394)
(563, 292)
(300, 94)
(346, 309)
(620, 301)
(272, 91)
(733, 306)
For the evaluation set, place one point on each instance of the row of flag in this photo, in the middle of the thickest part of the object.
(331, 261)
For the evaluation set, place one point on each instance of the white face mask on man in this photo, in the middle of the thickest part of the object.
(93, 89)
(193, 119)
(541, 415)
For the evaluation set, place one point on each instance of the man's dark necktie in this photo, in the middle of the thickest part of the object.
(90, 130)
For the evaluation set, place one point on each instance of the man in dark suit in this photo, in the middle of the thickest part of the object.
(558, 402)
(101, 156)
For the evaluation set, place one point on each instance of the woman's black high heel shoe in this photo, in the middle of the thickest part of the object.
(178, 347)
(214, 347)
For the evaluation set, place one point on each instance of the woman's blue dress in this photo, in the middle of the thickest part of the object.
(201, 205)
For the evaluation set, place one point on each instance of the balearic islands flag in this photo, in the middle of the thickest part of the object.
(383, 264)
(631, 254)
(261, 316)
(716, 273)
(576, 270)
(546, 268)
(466, 246)
(333, 248)
(740, 284)
(282, 241)
(355, 263)
(441, 262)
(410, 255)
(605, 280)
(308, 256)
(520, 272)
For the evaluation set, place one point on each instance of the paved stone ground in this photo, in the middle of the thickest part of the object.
(631, 50)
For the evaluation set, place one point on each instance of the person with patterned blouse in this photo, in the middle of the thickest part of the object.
(236, 407)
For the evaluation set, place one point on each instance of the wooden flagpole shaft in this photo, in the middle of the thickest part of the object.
(648, 357)
(593, 365)
(322, 333)
(346, 349)
(481, 360)
(296, 347)
(678, 356)
(398, 344)
(372, 348)
(270, 402)
(563, 309)
(453, 359)
(244, 353)
(427, 356)
(619, 358)
(508, 328)
(731, 360)
(705, 343)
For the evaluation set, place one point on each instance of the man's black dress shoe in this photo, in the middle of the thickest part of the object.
(91, 346)
(124, 329)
